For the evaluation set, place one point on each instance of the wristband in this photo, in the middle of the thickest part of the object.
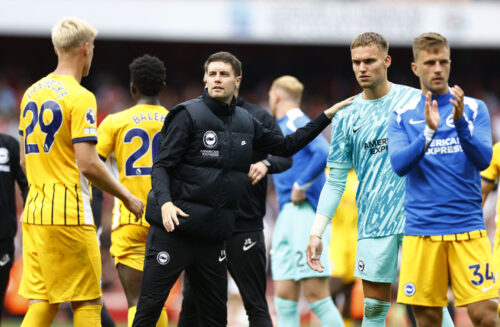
(429, 134)
(319, 225)
(303, 187)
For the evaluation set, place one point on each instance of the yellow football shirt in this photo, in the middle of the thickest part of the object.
(130, 139)
(492, 173)
(346, 216)
(56, 112)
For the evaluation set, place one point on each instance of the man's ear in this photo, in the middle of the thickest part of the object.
(414, 69)
(238, 82)
(86, 48)
(132, 88)
(387, 61)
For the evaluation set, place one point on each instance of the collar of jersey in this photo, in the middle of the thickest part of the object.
(217, 107)
(59, 77)
(240, 102)
(442, 99)
(360, 99)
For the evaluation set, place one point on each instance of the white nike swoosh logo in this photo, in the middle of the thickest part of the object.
(5, 260)
(485, 289)
(222, 258)
(247, 247)
(414, 122)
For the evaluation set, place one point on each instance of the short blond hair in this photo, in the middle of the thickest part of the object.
(72, 32)
(369, 38)
(428, 41)
(291, 85)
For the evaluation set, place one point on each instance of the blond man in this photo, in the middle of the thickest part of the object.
(298, 191)
(58, 137)
(440, 144)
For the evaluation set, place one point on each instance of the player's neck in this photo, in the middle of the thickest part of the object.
(434, 93)
(285, 107)
(378, 91)
(69, 67)
(154, 100)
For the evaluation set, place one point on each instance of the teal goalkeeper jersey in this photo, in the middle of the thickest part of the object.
(359, 140)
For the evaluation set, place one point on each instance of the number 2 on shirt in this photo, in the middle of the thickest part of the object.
(130, 169)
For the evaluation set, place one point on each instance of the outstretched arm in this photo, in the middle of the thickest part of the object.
(277, 164)
(274, 143)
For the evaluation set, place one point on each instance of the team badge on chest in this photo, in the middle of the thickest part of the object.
(210, 139)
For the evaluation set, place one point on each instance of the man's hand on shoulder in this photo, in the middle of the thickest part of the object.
(330, 112)
(169, 214)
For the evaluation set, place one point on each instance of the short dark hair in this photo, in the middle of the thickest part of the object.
(148, 73)
(227, 58)
(369, 38)
(428, 41)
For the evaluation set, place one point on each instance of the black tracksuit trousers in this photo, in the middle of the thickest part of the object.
(246, 253)
(205, 263)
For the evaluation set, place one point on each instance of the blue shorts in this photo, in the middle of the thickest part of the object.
(290, 239)
(377, 258)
